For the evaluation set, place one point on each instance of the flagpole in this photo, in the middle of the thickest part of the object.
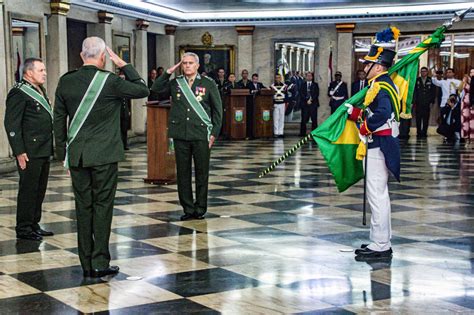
(364, 207)
(285, 156)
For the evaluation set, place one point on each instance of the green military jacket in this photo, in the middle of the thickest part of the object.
(98, 142)
(29, 126)
(184, 123)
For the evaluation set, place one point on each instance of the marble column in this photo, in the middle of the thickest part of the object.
(291, 50)
(244, 48)
(298, 59)
(165, 50)
(311, 61)
(141, 65)
(283, 55)
(103, 30)
(56, 44)
(283, 52)
(5, 162)
(344, 50)
(305, 60)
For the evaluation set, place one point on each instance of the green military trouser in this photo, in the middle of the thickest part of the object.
(94, 191)
(31, 192)
(186, 152)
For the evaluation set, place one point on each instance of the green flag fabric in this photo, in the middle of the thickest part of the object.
(338, 137)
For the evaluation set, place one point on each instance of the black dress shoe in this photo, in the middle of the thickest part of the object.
(367, 252)
(112, 270)
(187, 217)
(199, 216)
(42, 232)
(32, 236)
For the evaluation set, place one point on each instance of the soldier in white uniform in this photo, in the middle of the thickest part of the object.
(279, 100)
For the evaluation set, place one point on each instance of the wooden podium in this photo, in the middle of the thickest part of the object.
(160, 149)
(235, 114)
(263, 114)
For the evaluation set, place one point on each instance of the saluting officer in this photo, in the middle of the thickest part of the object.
(91, 145)
(194, 124)
(29, 125)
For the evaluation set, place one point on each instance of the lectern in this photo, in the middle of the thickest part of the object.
(160, 148)
(263, 114)
(235, 114)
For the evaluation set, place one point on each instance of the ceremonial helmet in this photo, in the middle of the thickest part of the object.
(383, 50)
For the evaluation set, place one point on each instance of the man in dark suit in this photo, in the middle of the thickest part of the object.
(28, 123)
(360, 83)
(90, 98)
(231, 84)
(337, 92)
(221, 81)
(309, 93)
(151, 79)
(451, 119)
(256, 86)
(195, 120)
(423, 99)
(244, 83)
(254, 89)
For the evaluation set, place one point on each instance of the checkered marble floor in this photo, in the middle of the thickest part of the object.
(268, 246)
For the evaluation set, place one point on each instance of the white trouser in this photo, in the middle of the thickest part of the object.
(379, 201)
(278, 118)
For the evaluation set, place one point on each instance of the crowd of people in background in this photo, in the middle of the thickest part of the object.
(439, 94)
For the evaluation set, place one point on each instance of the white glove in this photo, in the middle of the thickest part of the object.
(350, 108)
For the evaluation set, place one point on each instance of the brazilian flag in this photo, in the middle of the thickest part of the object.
(338, 137)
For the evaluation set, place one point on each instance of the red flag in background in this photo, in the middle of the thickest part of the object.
(330, 67)
(18, 66)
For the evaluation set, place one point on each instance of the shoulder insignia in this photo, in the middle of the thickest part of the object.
(16, 87)
(69, 72)
(209, 79)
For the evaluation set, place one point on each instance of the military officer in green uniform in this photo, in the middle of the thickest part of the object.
(28, 122)
(194, 124)
(90, 145)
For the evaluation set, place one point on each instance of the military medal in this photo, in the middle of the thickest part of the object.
(178, 93)
(200, 91)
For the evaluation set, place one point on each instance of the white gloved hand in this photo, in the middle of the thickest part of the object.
(350, 108)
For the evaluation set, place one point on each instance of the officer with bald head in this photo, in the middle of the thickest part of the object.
(90, 145)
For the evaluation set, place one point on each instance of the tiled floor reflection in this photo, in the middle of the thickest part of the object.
(274, 245)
